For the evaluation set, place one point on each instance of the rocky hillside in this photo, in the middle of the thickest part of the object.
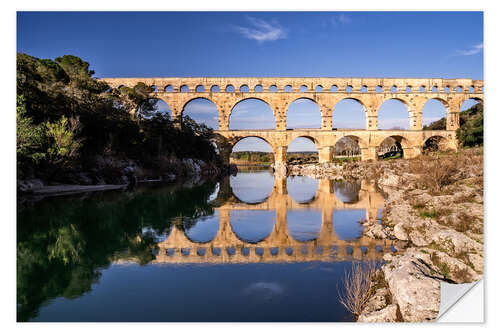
(436, 205)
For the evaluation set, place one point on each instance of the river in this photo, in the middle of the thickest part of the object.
(250, 247)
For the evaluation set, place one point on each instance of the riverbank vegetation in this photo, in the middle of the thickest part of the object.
(63, 244)
(72, 127)
(470, 133)
(251, 158)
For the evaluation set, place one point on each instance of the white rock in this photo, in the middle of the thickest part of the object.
(376, 231)
(385, 315)
(414, 287)
(400, 232)
(477, 261)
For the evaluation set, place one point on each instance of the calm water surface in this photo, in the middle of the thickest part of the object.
(250, 247)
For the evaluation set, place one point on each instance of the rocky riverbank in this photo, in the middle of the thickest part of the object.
(350, 170)
(112, 174)
(435, 204)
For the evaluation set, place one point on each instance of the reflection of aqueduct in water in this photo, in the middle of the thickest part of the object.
(371, 93)
(279, 245)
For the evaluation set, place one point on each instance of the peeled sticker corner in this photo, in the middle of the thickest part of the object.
(461, 302)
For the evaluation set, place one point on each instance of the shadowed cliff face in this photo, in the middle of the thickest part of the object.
(68, 247)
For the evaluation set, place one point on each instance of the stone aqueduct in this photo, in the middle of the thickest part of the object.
(280, 245)
(371, 93)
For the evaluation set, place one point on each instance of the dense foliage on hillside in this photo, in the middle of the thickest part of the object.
(436, 125)
(66, 119)
(470, 133)
(63, 254)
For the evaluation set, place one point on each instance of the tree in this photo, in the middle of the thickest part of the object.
(63, 146)
(29, 138)
(470, 133)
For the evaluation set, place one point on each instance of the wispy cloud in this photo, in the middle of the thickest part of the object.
(264, 290)
(198, 108)
(341, 19)
(471, 51)
(261, 30)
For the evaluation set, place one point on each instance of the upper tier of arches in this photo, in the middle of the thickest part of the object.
(315, 85)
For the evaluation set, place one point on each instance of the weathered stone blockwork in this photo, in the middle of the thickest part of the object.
(326, 92)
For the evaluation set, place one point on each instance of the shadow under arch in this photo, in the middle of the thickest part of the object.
(437, 143)
(342, 108)
(347, 146)
(306, 111)
(360, 141)
(396, 143)
(260, 106)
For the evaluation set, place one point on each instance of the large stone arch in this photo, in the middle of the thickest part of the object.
(466, 98)
(414, 121)
(356, 99)
(442, 142)
(295, 136)
(164, 100)
(405, 142)
(293, 99)
(248, 98)
(310, 136)
(192, 98)
(361, 142)
(234, 140)
(196, 98)
(410, 145)
(188, 232)
(438, 98)
(425, 102)
(237, 234)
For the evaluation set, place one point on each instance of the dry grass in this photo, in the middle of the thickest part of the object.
(435, 173)
(465, 197)
(417, 203)
(462, 275)
(442, 266)
(357, 283)
(465, 222)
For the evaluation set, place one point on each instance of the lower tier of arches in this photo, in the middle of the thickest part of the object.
(411, 143)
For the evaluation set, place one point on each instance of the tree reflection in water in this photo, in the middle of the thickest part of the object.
(64, 244)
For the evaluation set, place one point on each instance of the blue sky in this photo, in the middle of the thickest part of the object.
(338, 44)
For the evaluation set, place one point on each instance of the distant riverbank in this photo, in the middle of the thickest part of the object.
(123, 175)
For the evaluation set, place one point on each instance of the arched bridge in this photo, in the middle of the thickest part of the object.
(279, 93)
(279, 245)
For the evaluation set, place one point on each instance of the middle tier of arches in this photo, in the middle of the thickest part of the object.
(326, 105)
